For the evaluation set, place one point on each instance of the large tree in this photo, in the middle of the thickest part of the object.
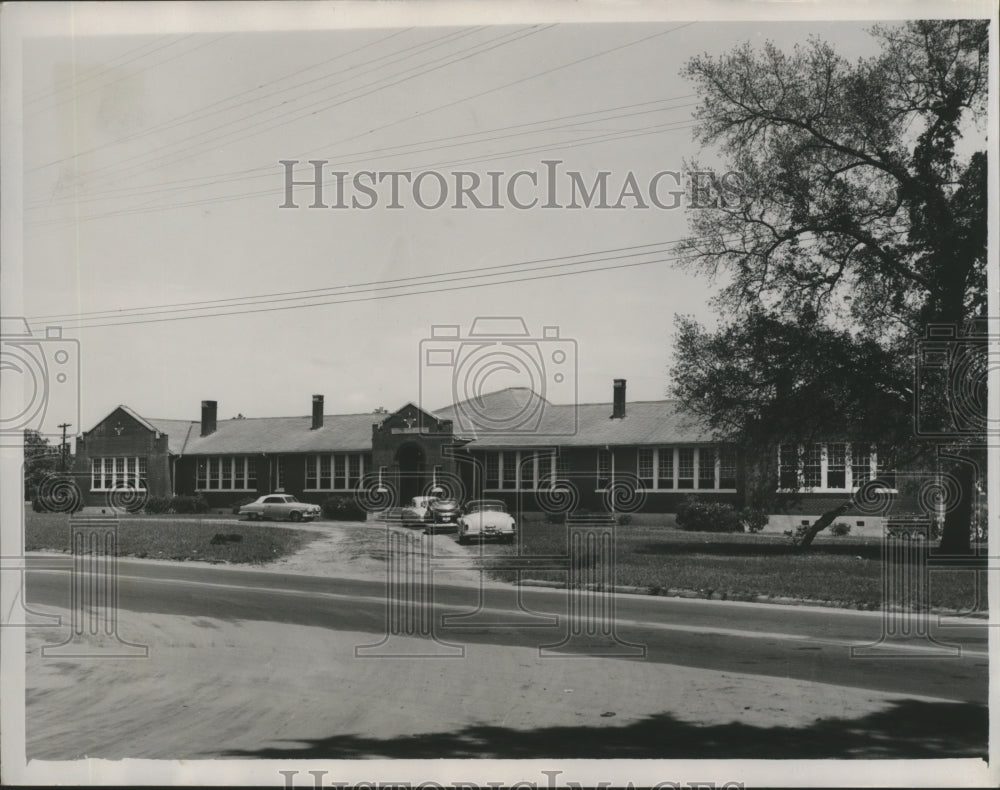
(864, 203)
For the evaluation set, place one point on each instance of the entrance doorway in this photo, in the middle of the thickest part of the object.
(412, 471)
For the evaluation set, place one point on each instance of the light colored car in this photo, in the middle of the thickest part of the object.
(280, 506)
(418, 512)
(486, 519)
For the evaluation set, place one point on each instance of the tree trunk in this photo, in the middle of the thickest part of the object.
(822, 523)
(955, 537)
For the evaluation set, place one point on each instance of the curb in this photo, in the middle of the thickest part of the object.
(712, 595)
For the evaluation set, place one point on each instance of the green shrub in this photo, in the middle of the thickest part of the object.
(840, 529)
(343, 508)
(754, 519)
(623, 519)
(696, 515)
(555, 518)
(158, 504)
(184, 503)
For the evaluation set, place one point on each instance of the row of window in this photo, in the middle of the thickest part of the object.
(107, 474)
(336, 471)
(227, 473)
(834, 466)
(658, 469)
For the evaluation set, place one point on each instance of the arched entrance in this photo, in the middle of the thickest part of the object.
(412, 465)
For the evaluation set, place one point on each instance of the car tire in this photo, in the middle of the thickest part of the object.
(463, 540)
(295, 516)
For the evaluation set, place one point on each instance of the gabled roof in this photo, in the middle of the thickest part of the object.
(513, 417)
(177, 432)
(346, 432)
(518, 417)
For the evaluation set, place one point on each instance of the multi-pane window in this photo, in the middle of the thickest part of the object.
(339, 472)
(706, 468)
(727, 468)
(788, 466)
(685, 467)
(508, 470)
(603, 468)
(492, 471)
(861, 464)
(336, 472)
(665, 467)
(645, 464)
(107, 474)
(226, 473)
(812, 466)
(826, 467)
(836, 465)
(529, 463)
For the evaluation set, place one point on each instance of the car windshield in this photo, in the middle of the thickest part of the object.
(290, 498)
(487, 506)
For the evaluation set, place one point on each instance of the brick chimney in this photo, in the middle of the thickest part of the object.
(618, 408)
(317, 412)
(209, 412)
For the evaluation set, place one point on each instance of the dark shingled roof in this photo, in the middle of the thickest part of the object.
(514, 417)
(518, 417)
(346, 432)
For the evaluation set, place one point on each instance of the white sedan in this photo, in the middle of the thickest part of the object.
(418, 512)
(280, 506)
(486, 519)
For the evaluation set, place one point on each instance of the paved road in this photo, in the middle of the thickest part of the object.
(795, 642)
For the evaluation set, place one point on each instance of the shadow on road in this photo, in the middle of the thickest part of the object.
(907, 729)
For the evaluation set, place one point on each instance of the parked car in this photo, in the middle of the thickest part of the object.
(486, 519)
(444, 515)
(280, 506)
(418, 512)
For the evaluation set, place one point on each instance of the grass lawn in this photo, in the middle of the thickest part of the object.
(845, 570)
(176, 538)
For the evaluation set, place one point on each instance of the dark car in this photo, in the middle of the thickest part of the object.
(444, 515)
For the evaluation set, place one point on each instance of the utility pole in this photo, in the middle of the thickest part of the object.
(62, 447)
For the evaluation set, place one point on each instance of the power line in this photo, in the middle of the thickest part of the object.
(148, 208)
(315, 292)
(148, 160)
(181, 119)
(168, 186)
(75, 96)
(436, 290)
(481, 93)
(75, 80)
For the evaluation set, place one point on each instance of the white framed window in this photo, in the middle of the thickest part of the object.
(604, 468)
(518, 470)
(826, 466)
(334, 471)
(687, 468)
(109, 473)
(226, 473)
(645, 467)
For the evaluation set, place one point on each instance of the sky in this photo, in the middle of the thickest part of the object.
(153, 231)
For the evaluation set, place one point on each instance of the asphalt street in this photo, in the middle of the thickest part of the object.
(946, 659)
